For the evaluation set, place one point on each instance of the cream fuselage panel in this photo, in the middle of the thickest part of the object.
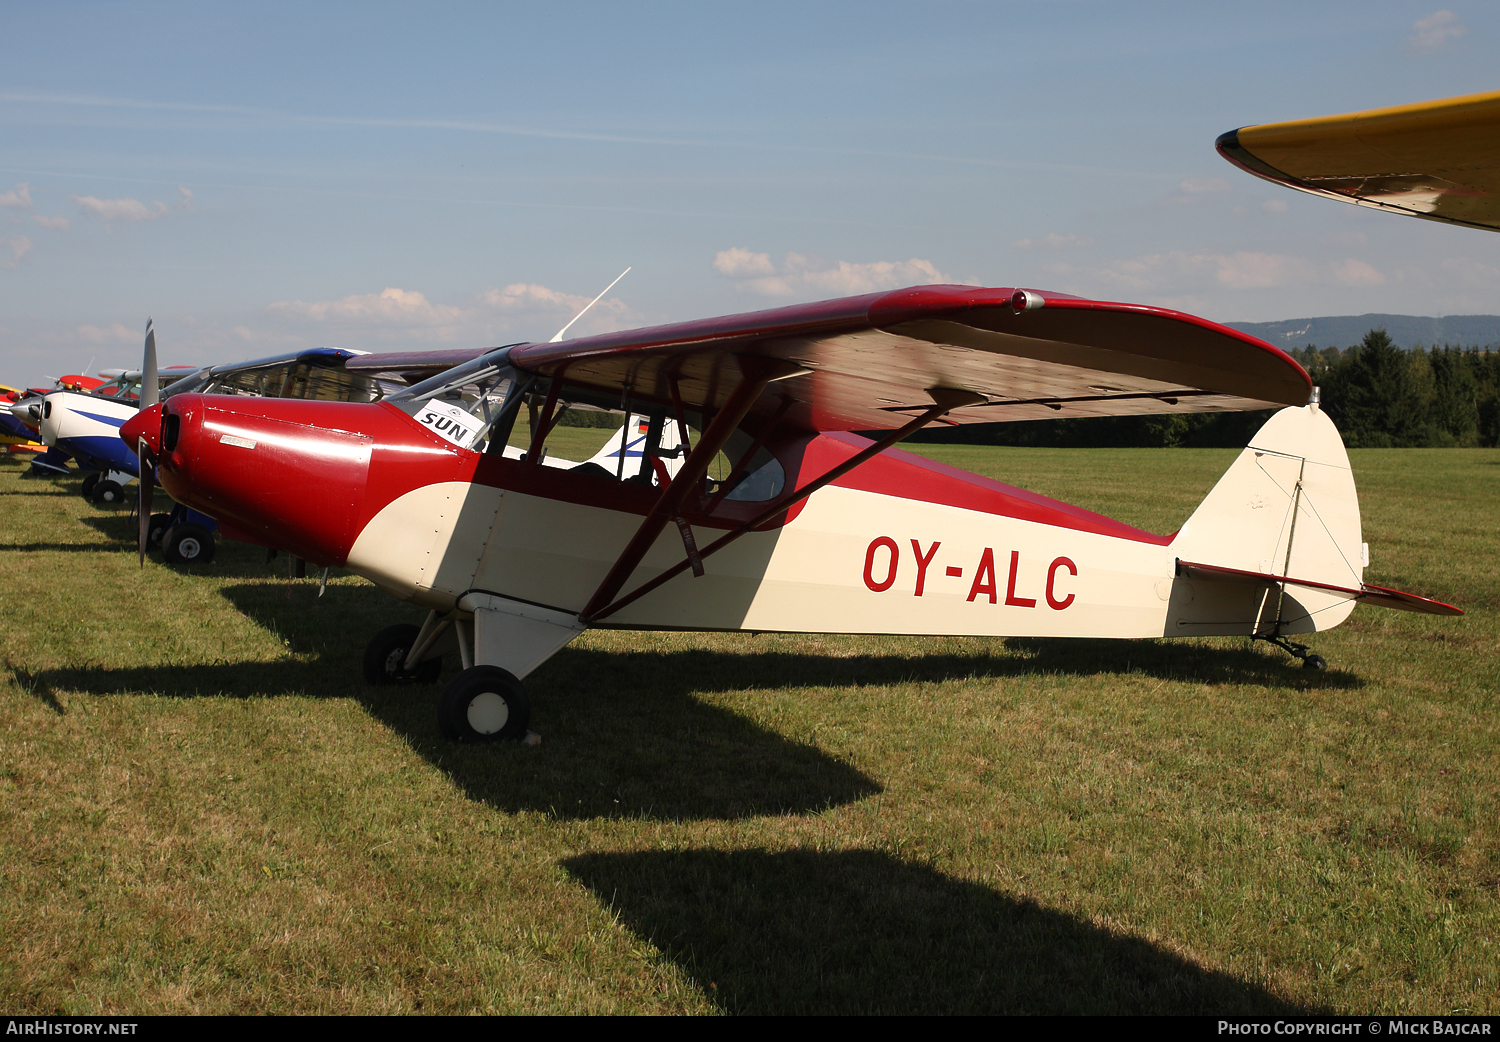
(845, 564)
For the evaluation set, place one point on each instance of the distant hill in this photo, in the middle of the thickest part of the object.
(1406, 330)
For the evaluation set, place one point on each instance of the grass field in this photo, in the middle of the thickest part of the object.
(205, 810)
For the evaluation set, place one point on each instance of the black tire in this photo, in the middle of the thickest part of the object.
(385, 658)
(107, 493)
(484, 704)
(1314, 662)
(157, 528)
(89, 481)
(187, 544)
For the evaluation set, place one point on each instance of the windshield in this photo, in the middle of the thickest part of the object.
(128, 385)
(305, 380)
(464, 403)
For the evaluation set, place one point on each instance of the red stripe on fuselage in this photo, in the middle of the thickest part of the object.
(908, 476)
(319, 471)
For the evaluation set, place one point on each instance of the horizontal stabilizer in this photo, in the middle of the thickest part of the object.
(1366, 593)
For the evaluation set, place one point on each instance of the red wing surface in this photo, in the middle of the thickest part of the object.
(866, 363)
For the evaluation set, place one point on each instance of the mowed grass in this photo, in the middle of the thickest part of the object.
(205, 810)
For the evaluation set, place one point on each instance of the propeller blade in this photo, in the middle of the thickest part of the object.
(150, 393)
(147, 485)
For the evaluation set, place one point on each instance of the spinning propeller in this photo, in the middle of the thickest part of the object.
(145, 461)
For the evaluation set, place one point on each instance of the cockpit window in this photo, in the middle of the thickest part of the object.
(302, 380)
(594, 440)
(128, 385)
(465, 404)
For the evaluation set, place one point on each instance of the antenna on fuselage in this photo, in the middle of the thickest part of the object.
(590, 304)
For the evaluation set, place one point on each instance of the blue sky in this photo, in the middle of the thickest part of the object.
(261, 177)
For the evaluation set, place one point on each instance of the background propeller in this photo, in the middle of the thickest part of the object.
(145, 462)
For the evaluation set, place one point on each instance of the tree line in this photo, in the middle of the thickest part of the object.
(1379, 395)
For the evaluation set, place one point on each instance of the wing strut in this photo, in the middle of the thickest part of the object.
(757, 374)
(944, 400)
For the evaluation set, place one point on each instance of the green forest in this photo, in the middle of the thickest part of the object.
(1379, 395)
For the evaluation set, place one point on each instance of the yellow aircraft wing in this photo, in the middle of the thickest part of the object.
(1439, 160)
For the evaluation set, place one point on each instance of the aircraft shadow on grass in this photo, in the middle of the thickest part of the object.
(39, 492)
(120, 530)
(626, 734)
(812, 932)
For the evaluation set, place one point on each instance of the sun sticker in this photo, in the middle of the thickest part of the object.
(450, 422)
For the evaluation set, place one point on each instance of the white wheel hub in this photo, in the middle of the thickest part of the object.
(189, 548)
(488, 712)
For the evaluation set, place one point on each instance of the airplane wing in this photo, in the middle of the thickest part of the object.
(866, 363)
(1438, 160)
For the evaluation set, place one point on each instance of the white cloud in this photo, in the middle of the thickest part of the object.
(1194, 189)
(1052, 241)
(18, 197)
(184, 199)
(1466, 273)
(803, 276)
(56, 223)
(1246, 270)
(1435, 31)
(1180, 270)
(1275, 206)
(391, 306)
(120, 209)
(738, 263)
(407, 318)
(18, 248)
(1203, 186)
(105, 336)
(1357, 273)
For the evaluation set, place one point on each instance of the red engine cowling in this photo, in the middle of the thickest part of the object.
(302, 476)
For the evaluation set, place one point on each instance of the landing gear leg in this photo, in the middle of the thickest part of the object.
(499, 641)
(1292, 648)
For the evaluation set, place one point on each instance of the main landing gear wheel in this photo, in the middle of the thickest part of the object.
(385, 658)
(157, 528)
(187, 543)
(107, 493)
(484, 704)
(1314, 662)
(89, 481)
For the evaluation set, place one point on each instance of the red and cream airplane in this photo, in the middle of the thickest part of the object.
(752, 506)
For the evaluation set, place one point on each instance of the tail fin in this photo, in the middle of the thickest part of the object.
(1286, 508)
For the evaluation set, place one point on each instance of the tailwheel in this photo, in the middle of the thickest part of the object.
(385, 658)
(484, 704)
(1291, 647)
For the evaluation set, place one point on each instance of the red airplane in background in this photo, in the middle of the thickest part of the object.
(764, 512)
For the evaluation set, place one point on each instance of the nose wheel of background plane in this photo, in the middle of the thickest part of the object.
(187, 543)
(157, 528)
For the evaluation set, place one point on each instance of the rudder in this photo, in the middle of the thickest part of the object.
(1286, 507)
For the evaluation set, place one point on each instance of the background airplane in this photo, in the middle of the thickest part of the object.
(86, 424)
(1437, 160)
(821, 530)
